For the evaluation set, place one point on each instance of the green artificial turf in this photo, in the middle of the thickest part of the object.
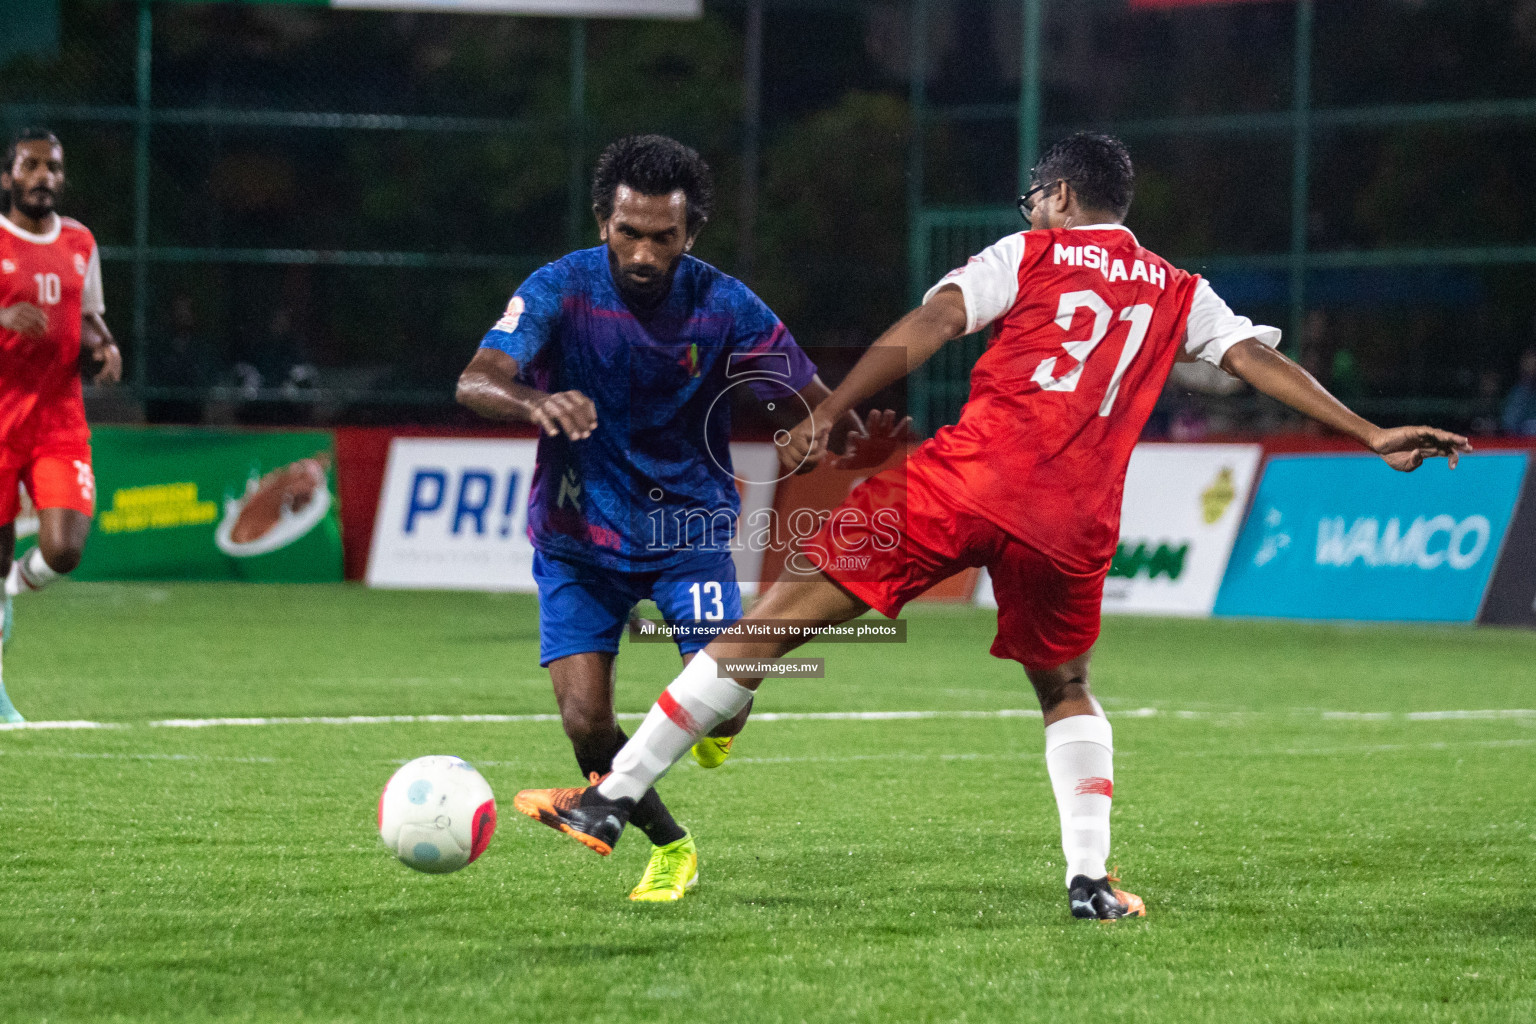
(1307, 850)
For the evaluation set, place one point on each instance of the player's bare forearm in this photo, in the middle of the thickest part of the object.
(94, 331)
(908, 344)
(1404, 448)
(490, 387)
(25, 319)
(1283, 380)
(497, 399)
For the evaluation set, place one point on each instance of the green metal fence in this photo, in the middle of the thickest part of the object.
(943, 238)
(140, 127)
(149, 117)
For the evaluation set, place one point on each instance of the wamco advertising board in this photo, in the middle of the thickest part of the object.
(1348, 537)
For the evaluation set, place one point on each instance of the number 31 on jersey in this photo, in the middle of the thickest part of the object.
(1140, 318)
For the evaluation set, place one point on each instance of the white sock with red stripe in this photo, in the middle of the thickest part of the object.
(695, 703)
(1080, 756)
(29, 572)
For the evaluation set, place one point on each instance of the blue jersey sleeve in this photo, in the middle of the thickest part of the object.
(761, 344)
(531, 317)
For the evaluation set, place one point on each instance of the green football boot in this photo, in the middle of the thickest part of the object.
(673, 870)
(711, 751)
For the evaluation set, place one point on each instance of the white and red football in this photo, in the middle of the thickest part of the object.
(437, 814)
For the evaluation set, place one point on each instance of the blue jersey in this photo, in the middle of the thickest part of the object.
(652, 485)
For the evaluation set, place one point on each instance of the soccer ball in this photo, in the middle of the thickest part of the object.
(437, 814)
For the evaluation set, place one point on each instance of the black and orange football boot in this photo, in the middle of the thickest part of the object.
(1096, 899)
(582, 813)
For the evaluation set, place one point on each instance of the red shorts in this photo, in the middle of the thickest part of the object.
(55, 478)
(897, 535)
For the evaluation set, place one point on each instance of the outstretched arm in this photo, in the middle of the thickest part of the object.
(1403, 448)
(910, 343)
(490, 387)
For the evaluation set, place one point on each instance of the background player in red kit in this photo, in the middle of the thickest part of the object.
(51, 306)
(1086, 326)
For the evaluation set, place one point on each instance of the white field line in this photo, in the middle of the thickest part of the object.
(1387, 748)
(890, 716)
(1379, 748)
(1441, 716)
(204, 723)
(767, 716)
(779, 716)
(139, 757)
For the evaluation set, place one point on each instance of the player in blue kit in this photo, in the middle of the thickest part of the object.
(622, 356)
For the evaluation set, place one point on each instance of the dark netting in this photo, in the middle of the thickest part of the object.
(337, 203)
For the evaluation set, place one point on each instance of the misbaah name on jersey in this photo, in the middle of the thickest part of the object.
(1094, 257)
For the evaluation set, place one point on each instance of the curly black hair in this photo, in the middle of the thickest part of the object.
(1098, 168)
(656, 166)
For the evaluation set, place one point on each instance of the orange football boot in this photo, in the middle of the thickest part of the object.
(580, 812)
(1098, 899)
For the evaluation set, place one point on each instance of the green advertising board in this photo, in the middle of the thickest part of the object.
(195, 504)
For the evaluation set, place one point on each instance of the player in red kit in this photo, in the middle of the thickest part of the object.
(1086, 326)
(51, 326)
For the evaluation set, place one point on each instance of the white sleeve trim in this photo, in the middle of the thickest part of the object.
(1213, 328)
(92, 298)
(989, 282)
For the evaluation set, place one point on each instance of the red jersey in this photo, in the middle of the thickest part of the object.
(1086, 326)
(58, 271)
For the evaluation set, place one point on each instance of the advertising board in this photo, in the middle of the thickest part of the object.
(453, 514)
(1181, 512)
(213, 505)
(1348, 537)
(1182, 509)
(1511, 597)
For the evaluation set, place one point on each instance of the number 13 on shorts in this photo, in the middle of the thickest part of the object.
(710, 592)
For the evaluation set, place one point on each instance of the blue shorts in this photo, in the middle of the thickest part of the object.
(583, 609)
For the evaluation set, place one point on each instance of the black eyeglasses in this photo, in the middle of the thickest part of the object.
(1027, 200)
